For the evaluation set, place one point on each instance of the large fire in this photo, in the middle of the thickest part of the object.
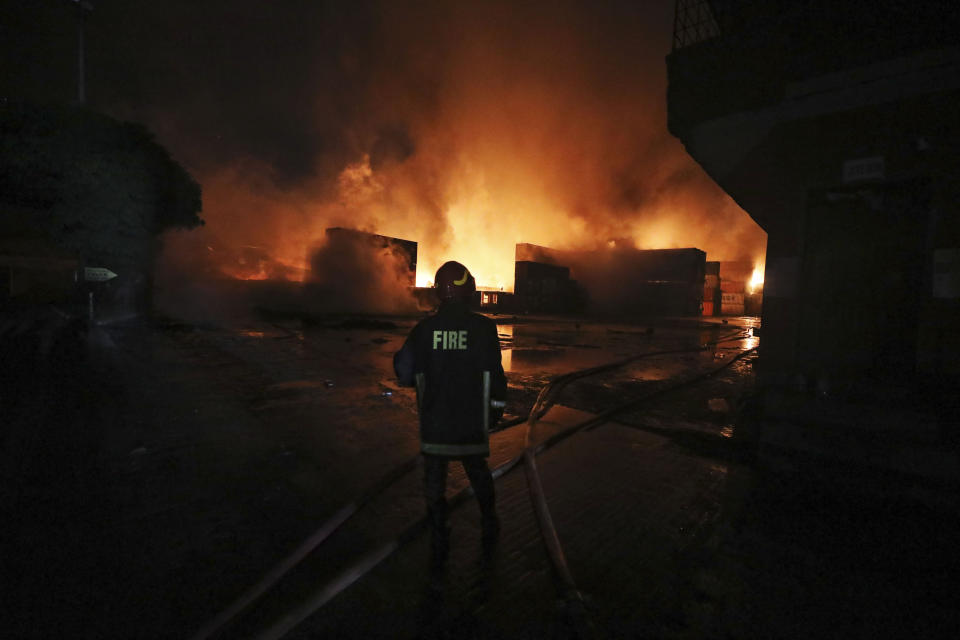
(756, 279)
(471, 136)
(482, 226)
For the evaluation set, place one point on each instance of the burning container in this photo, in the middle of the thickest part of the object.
(645, 281)
(621, 279)
(359, 272)
(405, 251)
(737, 295)
(734, 276)
(539, 286)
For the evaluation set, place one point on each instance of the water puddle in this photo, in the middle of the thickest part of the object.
(553, 360)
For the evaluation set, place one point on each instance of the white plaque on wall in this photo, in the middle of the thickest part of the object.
(946, 273)
(863, 169)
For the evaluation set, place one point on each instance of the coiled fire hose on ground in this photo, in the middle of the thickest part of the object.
(370, 560)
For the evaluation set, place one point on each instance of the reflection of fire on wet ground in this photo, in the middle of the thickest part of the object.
(547, 347)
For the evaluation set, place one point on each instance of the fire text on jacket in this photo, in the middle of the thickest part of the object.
(450, 340)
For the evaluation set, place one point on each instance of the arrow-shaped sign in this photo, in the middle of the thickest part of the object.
(97, 274)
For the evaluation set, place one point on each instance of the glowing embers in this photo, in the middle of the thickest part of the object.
(247, 275)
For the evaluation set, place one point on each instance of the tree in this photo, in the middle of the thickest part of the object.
(89, 185)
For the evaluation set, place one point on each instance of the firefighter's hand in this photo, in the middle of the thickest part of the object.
(403, 366)
(496, 412)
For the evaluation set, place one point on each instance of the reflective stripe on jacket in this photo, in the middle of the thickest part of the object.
(448, 353)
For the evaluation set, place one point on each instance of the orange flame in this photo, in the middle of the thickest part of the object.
(484, 213)
(549, 134)
(756, 280)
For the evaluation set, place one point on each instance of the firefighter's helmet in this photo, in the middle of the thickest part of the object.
(454, 282)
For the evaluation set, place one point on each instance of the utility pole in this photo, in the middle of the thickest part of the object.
(83, 8)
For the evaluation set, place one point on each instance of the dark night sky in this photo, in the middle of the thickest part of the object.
(451, 123)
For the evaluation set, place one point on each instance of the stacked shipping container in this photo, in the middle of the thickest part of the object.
(711, 289)
(618, 280)
(734, 277)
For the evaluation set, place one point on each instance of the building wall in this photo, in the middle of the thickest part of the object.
(835, 126)
(851, 259)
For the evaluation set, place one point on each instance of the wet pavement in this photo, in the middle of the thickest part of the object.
(218, 450)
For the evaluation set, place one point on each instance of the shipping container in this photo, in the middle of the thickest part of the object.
(619, 280)
(731, 309)
(733, 286)
(708, 308)
(711, 280)
(737, 271)
(354, 240)
(545, 287)
(537, 278)
(666, 265)
(732, 298)
(665, 298)
(652, 265)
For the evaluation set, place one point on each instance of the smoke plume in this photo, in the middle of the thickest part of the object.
(352, 274)
(465, 126)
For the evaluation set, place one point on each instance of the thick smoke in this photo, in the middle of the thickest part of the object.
(353, 274)
(466, 126)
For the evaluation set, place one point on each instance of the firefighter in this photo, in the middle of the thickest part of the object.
(453, 360)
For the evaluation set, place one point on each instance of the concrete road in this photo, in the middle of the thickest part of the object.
(209, 453)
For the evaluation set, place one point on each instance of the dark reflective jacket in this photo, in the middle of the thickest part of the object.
(449, 352)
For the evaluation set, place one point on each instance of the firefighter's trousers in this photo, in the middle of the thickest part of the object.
(435, 485)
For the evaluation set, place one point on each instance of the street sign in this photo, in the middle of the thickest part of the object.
(97, 274)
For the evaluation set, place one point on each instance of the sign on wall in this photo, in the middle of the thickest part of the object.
(946, 273)
(863, 169)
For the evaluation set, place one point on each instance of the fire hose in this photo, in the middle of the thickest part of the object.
(544, 402)
(369, 561)
(572, 596)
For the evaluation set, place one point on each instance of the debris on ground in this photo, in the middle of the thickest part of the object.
(718, 405)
